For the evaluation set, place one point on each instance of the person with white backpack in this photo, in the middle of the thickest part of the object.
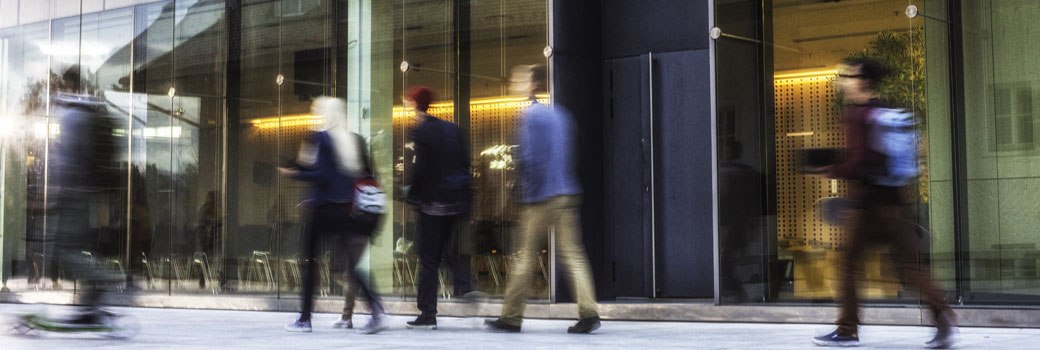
(880, 163)
(344, 201)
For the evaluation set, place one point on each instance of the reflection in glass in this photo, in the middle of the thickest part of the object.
(774, 243)
(195, 133)
(1003, 178)
(102, 65)
(498, 38)
(156, 268)
(255, 210)
(214, 96)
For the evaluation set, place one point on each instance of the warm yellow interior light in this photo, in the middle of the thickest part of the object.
(821, 73)
(288, 121)
(441, 108)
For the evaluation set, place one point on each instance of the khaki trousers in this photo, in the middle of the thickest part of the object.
(561, 212)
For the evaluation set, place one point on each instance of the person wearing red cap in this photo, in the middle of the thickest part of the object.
(442, 192)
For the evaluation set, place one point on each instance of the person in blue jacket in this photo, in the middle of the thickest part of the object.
(552, 198)
(330, 160)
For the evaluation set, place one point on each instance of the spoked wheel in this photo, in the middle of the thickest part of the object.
(123, 327)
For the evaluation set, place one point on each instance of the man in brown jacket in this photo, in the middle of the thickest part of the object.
(884, 214)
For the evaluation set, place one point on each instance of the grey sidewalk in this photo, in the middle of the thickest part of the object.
(205, 329)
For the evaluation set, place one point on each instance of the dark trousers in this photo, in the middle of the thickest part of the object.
(438, 239)
(74, 238)
(324, 222)
(884, 218)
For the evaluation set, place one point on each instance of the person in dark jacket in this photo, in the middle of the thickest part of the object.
(86, 168)
(884, 214)
(442, 192)
(330, 160)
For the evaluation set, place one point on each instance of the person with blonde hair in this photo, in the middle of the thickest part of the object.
(332, 159)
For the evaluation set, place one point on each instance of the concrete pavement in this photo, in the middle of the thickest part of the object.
(217, 329)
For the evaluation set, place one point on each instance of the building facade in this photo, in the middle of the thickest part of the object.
(692, 117)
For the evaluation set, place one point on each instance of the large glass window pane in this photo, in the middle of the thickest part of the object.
(15, 145)
(304, 61)
(27, 97)
(373, 25)
(151, 170)
(196, 134)
(1001, 87)
(256, 213)
(105, 69)
(501, 36)
(936, 191)
(775, 242)
(423, 38)
(747, 247)
(215, 96)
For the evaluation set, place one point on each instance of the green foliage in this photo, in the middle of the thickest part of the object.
(902, 53)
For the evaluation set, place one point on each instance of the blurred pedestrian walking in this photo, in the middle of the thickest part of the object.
(880, 163)
(552, 194)
(332, 160)
(87, 168)
(441, 189)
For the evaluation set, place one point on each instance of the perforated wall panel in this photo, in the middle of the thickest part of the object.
(805, 119)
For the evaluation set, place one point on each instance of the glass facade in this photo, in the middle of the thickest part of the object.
(213, 94)
(1000, 121)
(776, 64)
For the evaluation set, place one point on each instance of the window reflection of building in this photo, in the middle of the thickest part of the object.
(215, 96)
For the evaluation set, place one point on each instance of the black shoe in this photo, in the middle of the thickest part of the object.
(836, 339)
(497, 325)
(585, 326)
(422, 323)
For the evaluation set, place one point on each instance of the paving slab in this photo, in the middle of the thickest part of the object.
(219, 329)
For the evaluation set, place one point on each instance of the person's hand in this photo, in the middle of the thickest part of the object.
(286, 171)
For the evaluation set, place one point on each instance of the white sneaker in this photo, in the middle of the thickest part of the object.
(473, 302)
(944, 339)
(375, 325)
(298, 327)
(341, 323)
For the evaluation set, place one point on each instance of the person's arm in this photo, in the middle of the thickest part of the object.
(423, 167)
(311, 151)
